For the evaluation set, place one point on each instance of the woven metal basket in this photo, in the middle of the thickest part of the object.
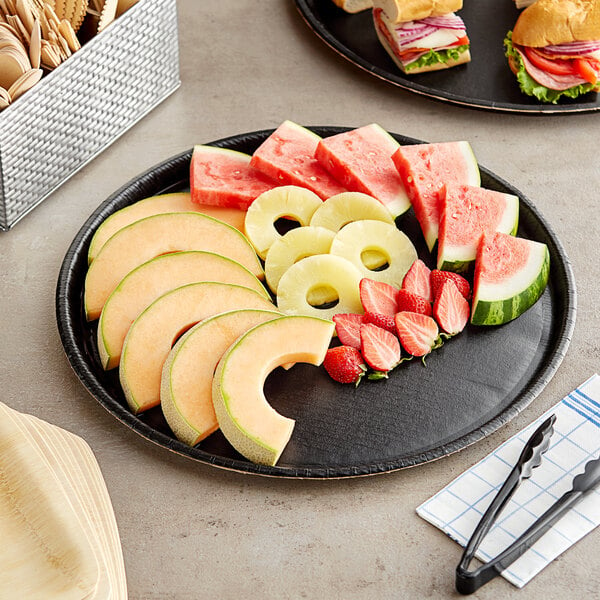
(84, 105)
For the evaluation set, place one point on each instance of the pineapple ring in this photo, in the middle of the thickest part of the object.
(355, 239)
(347, 207)
(313, 272)
(290, 201)
(295, 245)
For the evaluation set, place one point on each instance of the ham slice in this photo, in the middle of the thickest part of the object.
(550, 80)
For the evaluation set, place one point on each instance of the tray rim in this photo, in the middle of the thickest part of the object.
(350, 55)
(82, 370)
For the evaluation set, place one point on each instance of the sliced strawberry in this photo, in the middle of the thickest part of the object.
(418, 333)
(378, 297)
(347, 327)
(413, 303)
(439, 277)
(344, 364)
(450, 309)
(417, 280)
(383, 321)
(379, 347)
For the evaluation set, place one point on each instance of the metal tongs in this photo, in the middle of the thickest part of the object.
(467, 581)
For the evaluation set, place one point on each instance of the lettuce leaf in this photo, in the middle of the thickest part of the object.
(437, 56)
(531, 87)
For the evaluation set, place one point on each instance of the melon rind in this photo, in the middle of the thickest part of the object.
(147, 207)
(460, 258)
(498, 303)
(252, 426)
(186, 386)
(152, 335)
(159, 234)
(144, 284)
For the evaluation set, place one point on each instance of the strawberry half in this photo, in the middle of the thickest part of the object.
(413, 303)
(379, 347)
(344, 364)
(417, 280)
(450, 309)
(418, 333)
(347, 328)
(378, 297)
(439, 277)
(383, 321)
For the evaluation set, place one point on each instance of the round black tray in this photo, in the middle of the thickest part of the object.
(471, 386)
(486, 82)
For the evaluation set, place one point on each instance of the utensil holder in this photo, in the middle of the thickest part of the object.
(79, 109)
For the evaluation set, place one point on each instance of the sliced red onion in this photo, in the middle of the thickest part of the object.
(449, 21)
(413, 35)
(573, 48)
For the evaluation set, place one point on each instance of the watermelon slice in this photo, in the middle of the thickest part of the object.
(361, 159)
(288, 157)
(222, 177)
(466, 213)
(511, 274)
(425, 168)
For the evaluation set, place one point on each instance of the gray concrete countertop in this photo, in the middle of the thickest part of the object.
(192, 531)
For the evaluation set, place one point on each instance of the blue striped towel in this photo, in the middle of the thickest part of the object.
(458, 507)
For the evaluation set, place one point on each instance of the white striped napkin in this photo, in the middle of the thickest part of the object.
(458, 507)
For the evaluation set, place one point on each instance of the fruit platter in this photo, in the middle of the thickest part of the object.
(472, 377)
(484, 83)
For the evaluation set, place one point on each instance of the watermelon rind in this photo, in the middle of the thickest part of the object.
(460, 258)
(501, 302)
(473, 174)
(226, 152)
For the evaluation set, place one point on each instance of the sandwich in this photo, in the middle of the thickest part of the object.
(554, 49)
(422, 35)
(354, 6)
(523, 3)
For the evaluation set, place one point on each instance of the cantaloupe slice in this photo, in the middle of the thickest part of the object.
(176, 202)
(245, 417)
(186, 384)
(161, 234)
(153, 333)
(152, 279)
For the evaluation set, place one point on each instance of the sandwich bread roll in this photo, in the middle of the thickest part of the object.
(552, 22)
(401, 11)
(354, 6)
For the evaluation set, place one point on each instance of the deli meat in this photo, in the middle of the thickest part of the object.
(549, 80)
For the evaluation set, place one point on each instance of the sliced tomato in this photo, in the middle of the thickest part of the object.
(555, 66)
(586, 69)
(407, 54)
(463, 41)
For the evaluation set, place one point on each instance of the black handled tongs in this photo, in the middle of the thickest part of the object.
(467, 581)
